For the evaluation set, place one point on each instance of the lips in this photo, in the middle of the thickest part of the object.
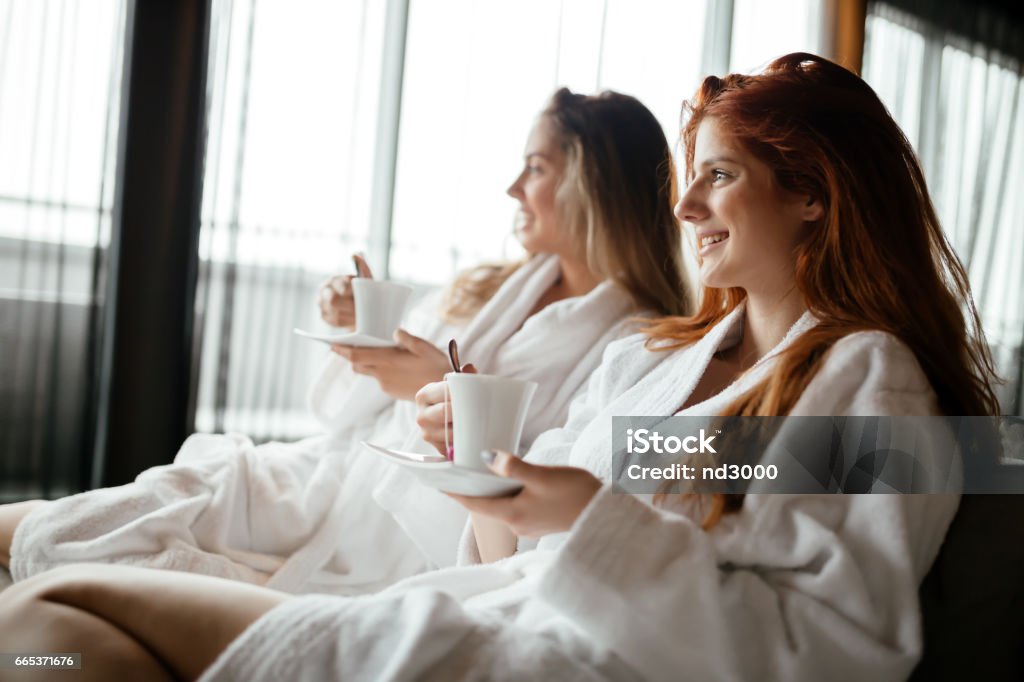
(708, 241)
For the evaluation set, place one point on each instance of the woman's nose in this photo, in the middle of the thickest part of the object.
(515, 190)
(691, 207)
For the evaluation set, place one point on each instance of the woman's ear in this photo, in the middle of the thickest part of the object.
(812, 210)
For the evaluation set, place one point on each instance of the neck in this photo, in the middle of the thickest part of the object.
(575, 278)
(768, 318)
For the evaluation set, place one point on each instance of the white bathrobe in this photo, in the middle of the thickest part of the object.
(789, 588)
(324, 514)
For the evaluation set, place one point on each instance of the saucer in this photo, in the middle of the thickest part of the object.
(434, 471)
(349, 339)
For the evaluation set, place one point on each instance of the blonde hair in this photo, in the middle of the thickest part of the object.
(473, 288)
(616, 199)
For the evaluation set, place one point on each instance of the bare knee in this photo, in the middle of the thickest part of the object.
(50, 584)
(26, 621)
(33, 620)
(27, 605)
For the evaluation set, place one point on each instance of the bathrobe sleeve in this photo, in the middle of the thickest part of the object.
(789, 588)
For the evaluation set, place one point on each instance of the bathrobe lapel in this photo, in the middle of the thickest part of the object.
(505, 312)
(659, 394)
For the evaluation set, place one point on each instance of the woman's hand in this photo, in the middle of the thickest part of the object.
(431, 411)
(551, 500)
(337, 306)
(401, 371)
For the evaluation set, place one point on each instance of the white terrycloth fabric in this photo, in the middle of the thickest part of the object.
(788, 588)
(323, 514)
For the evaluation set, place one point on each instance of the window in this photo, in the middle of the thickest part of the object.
(292, 119)
(60, 86)
(763, 31)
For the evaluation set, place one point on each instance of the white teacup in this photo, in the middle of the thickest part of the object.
(379, 306)
(488, 413)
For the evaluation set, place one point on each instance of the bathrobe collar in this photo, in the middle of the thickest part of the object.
(687, 365)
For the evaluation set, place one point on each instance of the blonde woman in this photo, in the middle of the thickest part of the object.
(322, 515)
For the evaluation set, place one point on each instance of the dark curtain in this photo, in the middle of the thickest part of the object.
(997, 25)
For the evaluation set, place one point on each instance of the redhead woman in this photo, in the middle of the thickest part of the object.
(595, 198)
(828, 289)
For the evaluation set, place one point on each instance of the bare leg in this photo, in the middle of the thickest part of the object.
(32, 624)
(10, 516)
(182, 622)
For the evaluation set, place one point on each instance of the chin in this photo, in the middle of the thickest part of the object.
(531, 242)
(527, 243)
(715, 280)
(708, 277)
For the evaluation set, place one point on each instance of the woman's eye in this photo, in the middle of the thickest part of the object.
(717, 175)
(532, 169)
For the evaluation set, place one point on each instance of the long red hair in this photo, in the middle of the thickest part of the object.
(878, 260)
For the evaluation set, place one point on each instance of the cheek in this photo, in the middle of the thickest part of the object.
(758, 227)
(780, 233)
(542, 208)
(543, 198)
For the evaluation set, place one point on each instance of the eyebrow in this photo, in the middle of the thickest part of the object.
(718, 159)
(538, 155)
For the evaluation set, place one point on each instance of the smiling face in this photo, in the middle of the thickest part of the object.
(539, 221)
(747, 226)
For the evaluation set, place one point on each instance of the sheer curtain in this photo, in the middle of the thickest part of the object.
(959, 102)
(293, 90)
(60, 87)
